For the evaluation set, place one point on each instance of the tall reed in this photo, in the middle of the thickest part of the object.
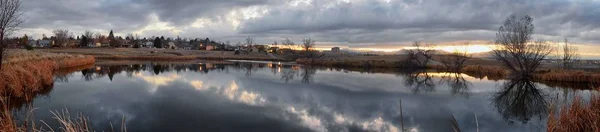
(576, 117)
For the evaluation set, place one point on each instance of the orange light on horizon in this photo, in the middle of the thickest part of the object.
(470, 49)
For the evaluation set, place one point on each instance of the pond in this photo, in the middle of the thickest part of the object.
(272, 96)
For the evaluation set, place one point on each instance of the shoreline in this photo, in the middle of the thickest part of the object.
(24, 74)
(493, 72)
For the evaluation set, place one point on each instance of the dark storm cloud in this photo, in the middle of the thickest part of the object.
(432, 17)
(85, 15)
(353, 21)
(182, 12)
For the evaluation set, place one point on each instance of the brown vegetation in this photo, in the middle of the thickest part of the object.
(350, 63)
(74, 62)
(577, 117)
(25, 75)
(18, 79)
(162, 54)
(571, 76)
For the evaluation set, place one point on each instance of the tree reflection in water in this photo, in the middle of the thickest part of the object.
(288, 74)
(458, 84)
(307, 74)
(419, 81)
(519, 100)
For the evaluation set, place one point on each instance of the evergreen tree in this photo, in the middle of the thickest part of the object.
(157, 43)
(112, 40)
(84, 41)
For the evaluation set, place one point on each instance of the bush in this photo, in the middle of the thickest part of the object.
(28, 47)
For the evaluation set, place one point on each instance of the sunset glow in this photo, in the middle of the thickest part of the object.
(466, 48)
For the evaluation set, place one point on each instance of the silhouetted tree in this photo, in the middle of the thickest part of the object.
(84, 41)
(516, 52)
(88, 34)
(418, 57)
(308, 45)
(113, 40)
(419, 81)
(456, 81)
(307, 74)
(455, 61)
(519, 100)
(157, 43)
(287, 74)
(288, 43)
(569, 56)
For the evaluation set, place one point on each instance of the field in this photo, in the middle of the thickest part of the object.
(161, 54)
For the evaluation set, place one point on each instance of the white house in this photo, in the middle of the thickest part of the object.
(148, 44)
(171, 45)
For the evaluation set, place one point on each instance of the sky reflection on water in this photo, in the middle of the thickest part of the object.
(269, 97)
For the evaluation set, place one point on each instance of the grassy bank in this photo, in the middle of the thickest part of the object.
(27, 74)
(472, 68)
(576, 117)
(28, 71)
(162, 54)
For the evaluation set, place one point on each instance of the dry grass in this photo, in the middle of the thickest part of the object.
(578, 117)
(569, 76)
(76, 61)
(162, 54)
(27, 77)
(79, 123)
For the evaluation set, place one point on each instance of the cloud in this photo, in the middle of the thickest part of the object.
(341, 21)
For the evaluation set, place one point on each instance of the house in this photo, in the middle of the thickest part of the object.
(125, 43)
(148, 44)
(185, 45)
(335, 49)
(209, 46)
(73, 43)
(102, 42)
(212, 46)
(171, 45)
(195, 45)
(44, 43)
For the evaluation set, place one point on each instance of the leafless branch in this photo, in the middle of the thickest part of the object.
(10, 19)
(419, 56)
(62, 37)
(516, 52)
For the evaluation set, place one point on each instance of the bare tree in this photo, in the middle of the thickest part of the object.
(308, 46)
(516, 52)
(98, 36)
(455, 61)
(249, 41)
(10, 19)
(419, 56)
(569, 56)
(288, 43)
(88, 34)
(62, 37)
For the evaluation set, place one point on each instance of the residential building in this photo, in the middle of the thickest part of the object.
(171, 45)
(335, 49)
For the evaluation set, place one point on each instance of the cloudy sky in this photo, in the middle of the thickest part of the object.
(347, 22)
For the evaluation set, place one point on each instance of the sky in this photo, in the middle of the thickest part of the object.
(353, 23)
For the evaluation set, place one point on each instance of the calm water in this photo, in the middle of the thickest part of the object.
(237, 96)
